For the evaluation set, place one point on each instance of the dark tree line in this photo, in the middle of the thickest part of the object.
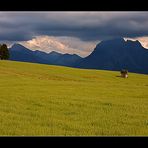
(4, 52)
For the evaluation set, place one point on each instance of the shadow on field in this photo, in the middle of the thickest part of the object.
(120, 77)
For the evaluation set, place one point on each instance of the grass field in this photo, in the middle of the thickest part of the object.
(38, 99)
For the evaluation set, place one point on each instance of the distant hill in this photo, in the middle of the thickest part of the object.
(21, 53)
(117, 54)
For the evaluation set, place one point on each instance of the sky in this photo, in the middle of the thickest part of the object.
(71, 32)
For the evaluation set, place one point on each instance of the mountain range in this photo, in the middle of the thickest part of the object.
(114, 54)
(117, 54)
(21, 53)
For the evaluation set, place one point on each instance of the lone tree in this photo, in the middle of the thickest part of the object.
(4, 52)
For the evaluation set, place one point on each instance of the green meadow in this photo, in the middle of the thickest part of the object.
(47, 100)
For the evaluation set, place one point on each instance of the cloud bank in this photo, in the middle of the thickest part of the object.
(69, 45)
(88, 26)
(71, 32)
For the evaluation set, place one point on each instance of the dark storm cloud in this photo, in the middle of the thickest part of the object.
(21, 26)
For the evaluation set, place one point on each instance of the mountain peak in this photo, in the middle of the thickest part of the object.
(54, 53)
(119, 39)
(137, 43)
(18, 47)
(119, 42)
(113, 41)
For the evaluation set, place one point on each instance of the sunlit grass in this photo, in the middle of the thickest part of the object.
(37, 99)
